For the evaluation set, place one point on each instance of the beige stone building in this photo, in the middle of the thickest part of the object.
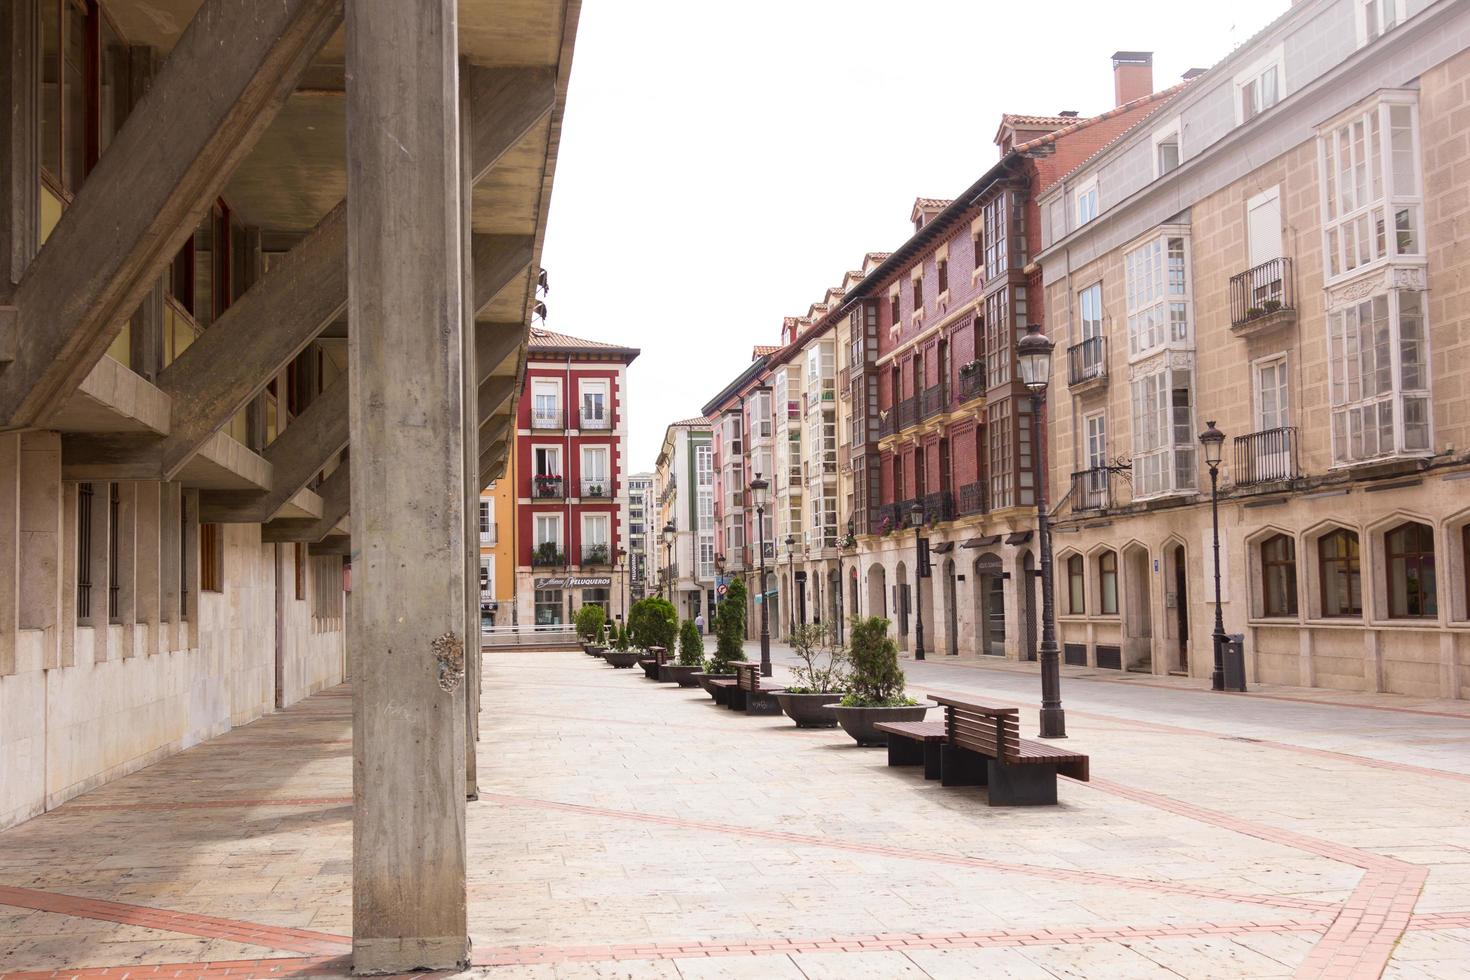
(1275, 251)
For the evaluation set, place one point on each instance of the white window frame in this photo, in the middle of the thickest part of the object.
(595, 386)
(555, 520)
(1173, 332)
(539, 387)
(1257, 416)
(561, 469)
(1164, 461)
(1086, 201)
(1094, 360)
(1255, 74)
(1343, 351)
(1172, 131)
(597, 520)
(1372, 18)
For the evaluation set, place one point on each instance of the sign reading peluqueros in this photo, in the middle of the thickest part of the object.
(574, 582)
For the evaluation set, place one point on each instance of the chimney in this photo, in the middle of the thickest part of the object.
(1133, 75)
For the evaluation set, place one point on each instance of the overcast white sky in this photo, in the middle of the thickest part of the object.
(723, 164)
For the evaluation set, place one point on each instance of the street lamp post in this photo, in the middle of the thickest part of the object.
(623, 581)
(791, 581)
(758, 488)
(842, 582)
(1214, 442)
(1034, 352)
(669, 557)
(916, 517)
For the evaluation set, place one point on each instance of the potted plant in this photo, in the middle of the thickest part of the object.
(1271, 305)
(691, 656)
(547, 553)
(621, 653)
(588, 623)
(599, 643)
(1254, 311)
(821, 677)
(653, 623)
(596, 555)
(875, 686)
(729, 638)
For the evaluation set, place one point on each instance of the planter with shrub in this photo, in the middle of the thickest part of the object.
(729, 639)
(818, 681)
(691, 657)
(588, 623)
(621, 654)
(875, 689)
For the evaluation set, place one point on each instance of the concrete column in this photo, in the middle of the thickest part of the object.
(40, 545)
(9, 548)
(470, 415)
(127, 551)
(168, 567)
(147, 567)
(407, 415)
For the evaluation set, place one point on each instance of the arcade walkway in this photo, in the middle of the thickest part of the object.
(634, 830)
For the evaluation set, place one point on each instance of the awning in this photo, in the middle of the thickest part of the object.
(943, 548)
(985, 542)
(1018, 537)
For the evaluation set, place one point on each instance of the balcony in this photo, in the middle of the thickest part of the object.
(595, 554)
(938, 507)
(488, 536)
(899, 417)
(1263, 298)
(596, 488)
(1092, 489)
(1087, 364)
(548, 554)
(972, 380)
(548, 488)
(973, 499)
(933, 400)
(594, 421)
(1266, 457)
(546, 420)
(844, 379)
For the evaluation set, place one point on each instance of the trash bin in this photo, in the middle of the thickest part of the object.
(1234, 657)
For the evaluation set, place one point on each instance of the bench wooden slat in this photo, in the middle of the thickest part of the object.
(972, 706)
(919, 731)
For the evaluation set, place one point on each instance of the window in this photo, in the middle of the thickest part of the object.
(1166, 153)
(595, 479)
(547, 461)
(977, 241)
(1089, 305)
(1107, 583)
(1076, 592)
(1259, 87)
(211, 558)
(84, 85)
(595, 548)
(1001, 432)
(1337, 562)
(114, 564)
(1278, 575)
(84, 552)
(1087, 202)
(300, 569)
(545, 405)
(594, 405)
(942, 267)
(998, 332)
(1379, 408)
(1369, 165)
(1411, 586)
(1273, 394)
(1263, 240)
(548, 607)
(1156, 283)
(1163, 433)
(894, 317)
(1377, 17)
(548, 529)
(484, 517)
(918, 289)
(995, 217)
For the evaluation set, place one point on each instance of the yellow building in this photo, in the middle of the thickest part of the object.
(498, 550)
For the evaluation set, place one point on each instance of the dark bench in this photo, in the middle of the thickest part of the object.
(913, 743)
(657, 657)
(749, 696)
(983, 746)
(722, 689)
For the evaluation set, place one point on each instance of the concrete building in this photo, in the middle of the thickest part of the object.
(265, 273)
(1278, 251)
(684, 489)
(638, 536)
(571, 462)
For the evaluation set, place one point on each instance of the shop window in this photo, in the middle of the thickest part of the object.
(1341, 576)
(1409, 549)
(1278, 573)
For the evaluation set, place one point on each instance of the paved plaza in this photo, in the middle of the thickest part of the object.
(630, 829)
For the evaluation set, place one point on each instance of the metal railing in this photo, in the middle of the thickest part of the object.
(972, 384)
(1261, 291)
(595, 554)
(600, 421)
(1092, 489)
(546, 420)
(548, 487)
(551, 634)
(973, 498)
(597, 488)
(933, 400)
(1266, 457)
(541, 558)
(1087, 360)
(939, 506)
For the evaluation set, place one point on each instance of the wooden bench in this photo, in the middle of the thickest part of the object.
(657, 657)
(913, 743)
(749, 695)
(983, 746)
(722, 689)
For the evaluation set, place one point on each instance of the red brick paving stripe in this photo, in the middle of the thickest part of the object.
(208, 804)
(914, 854)
(884, 942)
(293, 966)
(1439, 920)
(187, 923)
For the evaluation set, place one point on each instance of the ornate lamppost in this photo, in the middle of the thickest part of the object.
(669, 557)
(1214, 442)
(916, 517)
(758, 489)
(1034, 353)
(791, 580)
(622, 567)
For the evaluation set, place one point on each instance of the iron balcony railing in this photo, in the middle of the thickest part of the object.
(597, 488)
(1262, 291)
(1087, 360)
(899, 417)
(594, 420)
(973, 498)
(933, 400)
(1092, 489)
(1266, 457)
(972, 382)
(548, 487)
(939, 506)
(544, 557)
(594, 554)
(546, 419)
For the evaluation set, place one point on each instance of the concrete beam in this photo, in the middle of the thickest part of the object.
(336, 494)
(332, 544)
(494, 430)
(111, 456)
(505, 105)
(498, 260)
(492, 395)
(146, 195)
(296, 456)
(254, 340)
(494, 342)
(407, 615)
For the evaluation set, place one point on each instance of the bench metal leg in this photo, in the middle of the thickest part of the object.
(961, 767)
(1027, 785)
(666, 673)
(722, 695)
(904, 751)
(932, 766)
(736, 699)
(761, 703)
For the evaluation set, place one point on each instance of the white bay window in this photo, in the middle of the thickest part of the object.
(1157, 287)
(1378, 361)
(1372, 198)
(1163, 432)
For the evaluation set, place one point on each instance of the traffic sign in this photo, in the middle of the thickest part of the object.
(722, 590)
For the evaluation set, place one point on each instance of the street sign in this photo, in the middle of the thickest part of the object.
(924, 569)
(722, 590)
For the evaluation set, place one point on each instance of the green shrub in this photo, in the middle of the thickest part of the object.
(653, 622)
(877, 680)
(589, 620)
(823, 669)
(729, 630)
(691, 645)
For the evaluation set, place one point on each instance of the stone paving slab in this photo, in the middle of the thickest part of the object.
(630, 829)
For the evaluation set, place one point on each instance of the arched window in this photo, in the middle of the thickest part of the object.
(1278, 572)
(1337, 562)
(1076, 593)
(1107, 583)
(1411, 588)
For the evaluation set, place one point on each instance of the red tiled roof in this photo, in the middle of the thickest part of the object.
(548, 340)
(697, 420)
(1156, 101)
(761, 350)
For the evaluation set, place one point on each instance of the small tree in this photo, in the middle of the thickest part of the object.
(824, 664)
(729, 630)
(691, 646)
(877, 680)
(653, 622)
(589, 620)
